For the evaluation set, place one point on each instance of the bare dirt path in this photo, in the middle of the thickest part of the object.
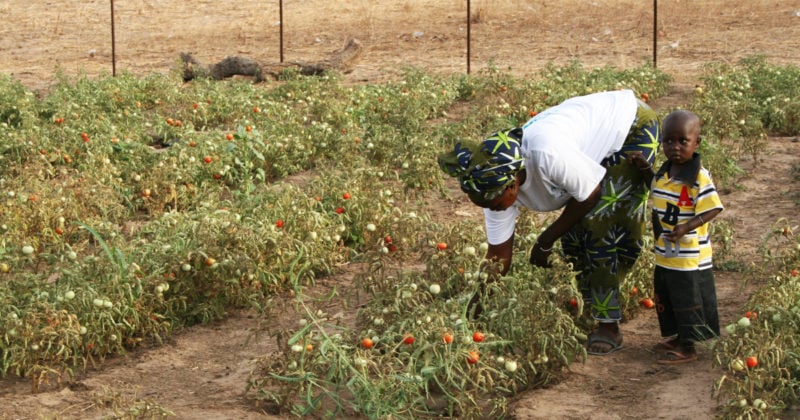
(202, 371)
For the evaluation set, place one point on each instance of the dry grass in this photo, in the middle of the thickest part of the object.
(522, 35)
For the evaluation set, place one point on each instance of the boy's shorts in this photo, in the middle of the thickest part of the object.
(686, 303)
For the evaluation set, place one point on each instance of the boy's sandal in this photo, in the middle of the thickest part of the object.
(674, 357)
(670, 344)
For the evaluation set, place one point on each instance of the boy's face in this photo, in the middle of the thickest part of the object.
(681, 137)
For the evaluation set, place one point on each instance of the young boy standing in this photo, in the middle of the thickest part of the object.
(684, 201)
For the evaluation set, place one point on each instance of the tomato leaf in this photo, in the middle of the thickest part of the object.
(299, 334)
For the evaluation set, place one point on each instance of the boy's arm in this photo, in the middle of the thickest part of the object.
(707, 216)
(691, 224)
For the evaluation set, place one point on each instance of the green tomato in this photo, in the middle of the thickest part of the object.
(511, 365)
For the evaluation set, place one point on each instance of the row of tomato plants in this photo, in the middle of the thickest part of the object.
(414, 350)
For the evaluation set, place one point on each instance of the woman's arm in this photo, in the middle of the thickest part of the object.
(573, 212)
(502, 253)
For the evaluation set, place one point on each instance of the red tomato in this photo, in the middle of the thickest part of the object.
(477, 336)
(229, 136)
(794, 272)
(207, 159)
(367, 343)
(751, 315)
(339, 210)
(210, 261)
(573, 302)
(647, 303)
(634, 291)
(447, 338)
(346, 196)
(442, 246)
(387, 240)
(279, 223)
(473, 357)
(751, 361)
(408, 339)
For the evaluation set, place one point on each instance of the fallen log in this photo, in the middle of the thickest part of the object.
(343, 60)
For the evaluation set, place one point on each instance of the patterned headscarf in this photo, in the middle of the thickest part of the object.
(486, 169)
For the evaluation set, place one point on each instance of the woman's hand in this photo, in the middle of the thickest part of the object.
(540, 255)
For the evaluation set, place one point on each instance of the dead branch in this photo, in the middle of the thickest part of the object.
(343, 60)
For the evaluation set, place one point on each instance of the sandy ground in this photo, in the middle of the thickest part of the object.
(201, 372)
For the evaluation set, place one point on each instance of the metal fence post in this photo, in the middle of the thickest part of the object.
(655, 33)
(469, 30)
(113, 43)
(280, 18)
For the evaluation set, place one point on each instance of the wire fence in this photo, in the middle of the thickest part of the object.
(96, 36)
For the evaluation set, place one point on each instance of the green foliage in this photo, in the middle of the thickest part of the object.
(739, 105)
(134, 206)
(767, 332)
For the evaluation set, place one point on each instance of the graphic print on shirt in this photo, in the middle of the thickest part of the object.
(671, 214)
(685, 200)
